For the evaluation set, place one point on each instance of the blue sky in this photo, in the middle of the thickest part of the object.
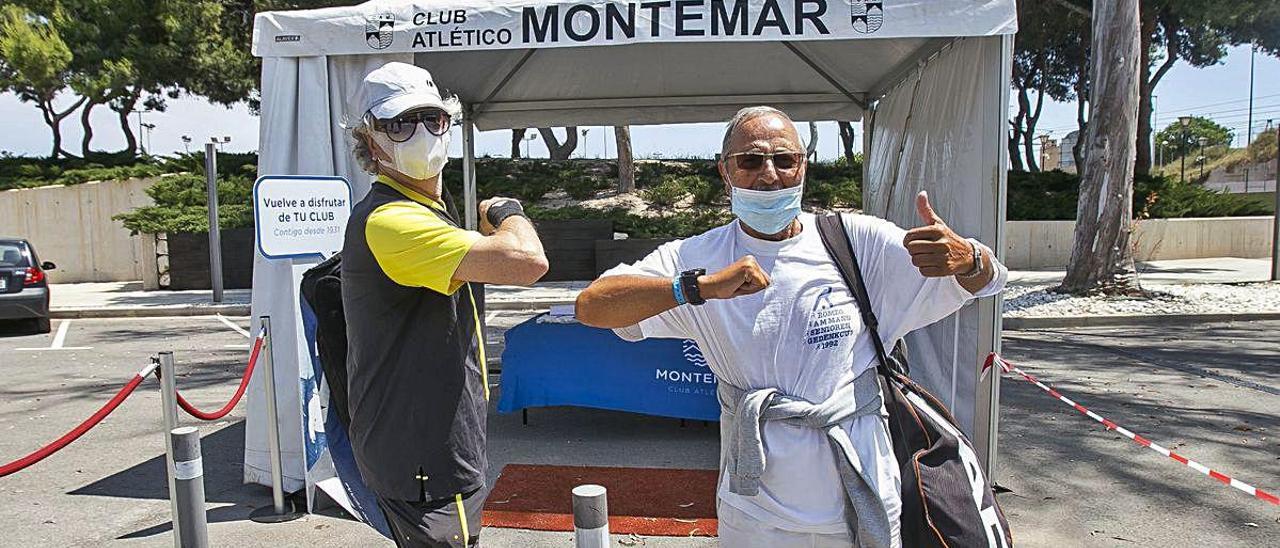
(1220, 92)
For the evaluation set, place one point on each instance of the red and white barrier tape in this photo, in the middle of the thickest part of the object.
(1251, 490)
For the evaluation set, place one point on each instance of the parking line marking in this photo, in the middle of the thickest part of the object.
(59, 339)
(233, 325)
(239, 346)
(61, 336)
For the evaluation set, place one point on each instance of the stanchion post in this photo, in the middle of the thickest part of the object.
(169, 409)
(188, 475)
(276, 512)
(590, 516)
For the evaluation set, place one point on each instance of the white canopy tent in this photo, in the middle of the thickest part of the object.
(928, 80)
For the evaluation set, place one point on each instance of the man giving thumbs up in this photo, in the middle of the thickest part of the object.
(805, 457)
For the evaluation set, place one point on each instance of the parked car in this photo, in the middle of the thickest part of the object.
(24, 287)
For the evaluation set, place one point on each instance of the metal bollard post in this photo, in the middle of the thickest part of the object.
(215, 232)
(277, 512)
(590, 516)
(188, 475)
(169, 409)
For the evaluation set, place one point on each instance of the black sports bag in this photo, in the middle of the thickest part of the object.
(322, 289)
(946, 499)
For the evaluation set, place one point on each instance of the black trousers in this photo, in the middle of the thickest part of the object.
(441, 523)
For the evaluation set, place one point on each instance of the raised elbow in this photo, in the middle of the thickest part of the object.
(584, 309)
(528, 267)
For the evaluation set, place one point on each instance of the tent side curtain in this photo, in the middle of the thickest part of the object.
(934, 131)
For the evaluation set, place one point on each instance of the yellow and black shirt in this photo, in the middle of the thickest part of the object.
(415, 360)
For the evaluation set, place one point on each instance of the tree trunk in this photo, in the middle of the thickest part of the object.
(626, 163)
(812, 150)
(556, 149)
(87, 127)
(1015, 137)
(131, 142)
(1100, 255)
(1149, 82)
(1142, 161)
(1082, 101)
(1029, 134)
(517, 135)
(846, 140)
(1082, 125)
(56, 126)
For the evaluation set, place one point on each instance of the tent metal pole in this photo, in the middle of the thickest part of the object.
(469, 167)
(909, 65)
(510, 74)
(830, 80)
(991, 332)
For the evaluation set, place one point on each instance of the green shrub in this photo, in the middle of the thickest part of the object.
(1053, 195)
(1044, 196)
(681, 224)
(667, 193)
(705, 191)
(181, 205)
(833, 193)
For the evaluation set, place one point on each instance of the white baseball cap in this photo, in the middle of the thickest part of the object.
(393, 89)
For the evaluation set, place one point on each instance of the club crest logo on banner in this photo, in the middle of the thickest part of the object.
(379, 30)
(866, 15)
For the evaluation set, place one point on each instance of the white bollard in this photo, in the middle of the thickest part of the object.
(590, 516)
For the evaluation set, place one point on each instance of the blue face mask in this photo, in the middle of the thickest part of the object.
(766, 211)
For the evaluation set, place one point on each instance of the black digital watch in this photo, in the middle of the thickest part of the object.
(689, 285)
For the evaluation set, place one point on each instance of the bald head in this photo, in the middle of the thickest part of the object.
(773, 121)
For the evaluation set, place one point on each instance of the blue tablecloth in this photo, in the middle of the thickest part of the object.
(548, 364)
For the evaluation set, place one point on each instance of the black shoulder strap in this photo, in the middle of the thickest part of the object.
(836, 240)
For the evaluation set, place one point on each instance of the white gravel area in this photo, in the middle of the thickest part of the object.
(1035, 300)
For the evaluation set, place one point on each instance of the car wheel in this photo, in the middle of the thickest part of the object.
(43, 325)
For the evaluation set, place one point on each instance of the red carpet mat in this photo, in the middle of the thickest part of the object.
(645, 501)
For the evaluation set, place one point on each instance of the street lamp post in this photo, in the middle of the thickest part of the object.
(1202, 141)
(1184, 121)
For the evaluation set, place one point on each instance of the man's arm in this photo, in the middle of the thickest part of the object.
(621, 301)
(510, 254)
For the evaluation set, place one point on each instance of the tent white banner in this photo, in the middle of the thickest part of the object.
(461, 25)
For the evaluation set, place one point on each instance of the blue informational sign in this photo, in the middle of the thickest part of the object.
(547, 364)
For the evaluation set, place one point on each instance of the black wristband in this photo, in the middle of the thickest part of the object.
(500, 210)
(689, 285)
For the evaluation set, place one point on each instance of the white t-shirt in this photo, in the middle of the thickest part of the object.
(803, 335)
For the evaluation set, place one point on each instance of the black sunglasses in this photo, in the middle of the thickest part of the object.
(782, 160)
(402, 127)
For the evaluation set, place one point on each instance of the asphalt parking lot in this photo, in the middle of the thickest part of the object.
(1208, 391)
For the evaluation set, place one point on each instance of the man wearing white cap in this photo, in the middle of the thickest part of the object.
(417, 384)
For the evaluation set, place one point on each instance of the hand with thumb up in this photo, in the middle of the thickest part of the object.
(935, 249)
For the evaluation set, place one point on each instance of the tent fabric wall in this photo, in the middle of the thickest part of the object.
(300, 134)
(934, 131)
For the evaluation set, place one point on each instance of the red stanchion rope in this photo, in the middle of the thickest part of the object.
(244, 383)
(78, 431)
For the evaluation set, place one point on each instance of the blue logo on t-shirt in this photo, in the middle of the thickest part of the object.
(828, 324)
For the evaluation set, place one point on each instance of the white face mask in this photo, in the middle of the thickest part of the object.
(421, 157)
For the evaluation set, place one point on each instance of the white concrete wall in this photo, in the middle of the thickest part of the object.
(1047, 244)
(71, 226)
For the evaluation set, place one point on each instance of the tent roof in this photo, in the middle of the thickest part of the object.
(541, 63)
